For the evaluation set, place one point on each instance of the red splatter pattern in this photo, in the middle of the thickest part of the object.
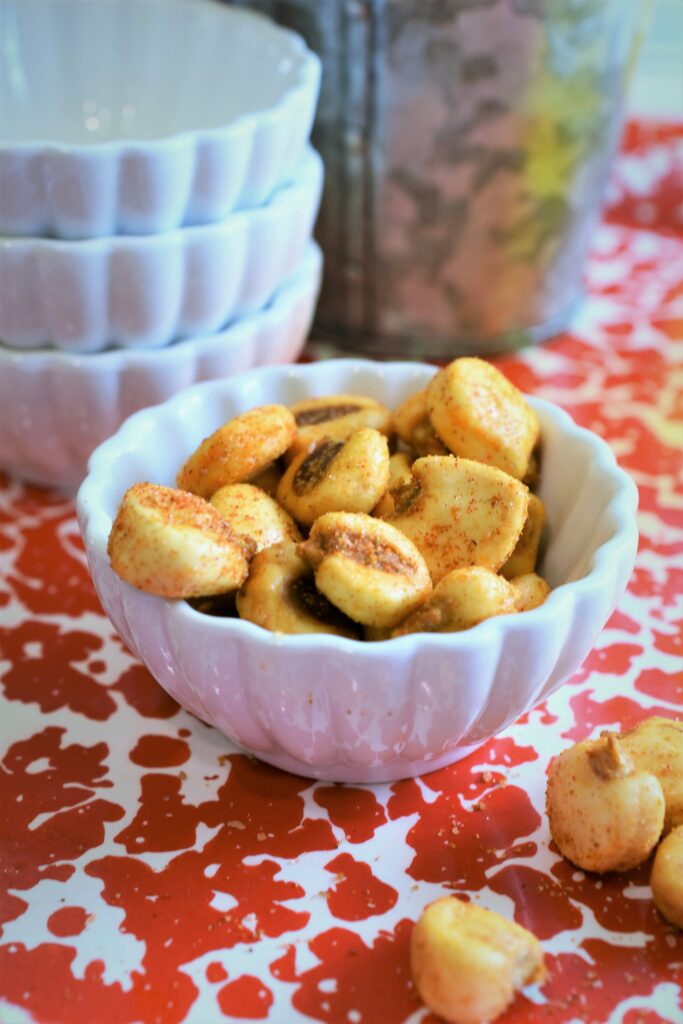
(151, 873)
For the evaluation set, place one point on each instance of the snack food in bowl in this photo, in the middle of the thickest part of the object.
(329, 706)
(138, 118)
(55, 407)
(146, 291)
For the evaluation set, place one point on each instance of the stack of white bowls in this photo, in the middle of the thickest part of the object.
(157, 201)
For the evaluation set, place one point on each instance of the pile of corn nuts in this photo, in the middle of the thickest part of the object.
(611, 802)
(335, 515)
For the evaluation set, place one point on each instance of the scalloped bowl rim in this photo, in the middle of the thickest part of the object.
(230, 336)
(309, 170)
(622, 505)
(307, 78)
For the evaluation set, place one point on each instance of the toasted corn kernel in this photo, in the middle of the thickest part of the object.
(479, 414)
(605, 813)
(239, 450)
(280, 595)
(399, 474)
(366, 567)
(459, 601)
(335, 417)
(413, 426)
(254, 515)
(666, 879)
(656, 745)
(349, 475)
(460, 513)
(468, 963)
(174, 544)
(530, 591)
(525, 556)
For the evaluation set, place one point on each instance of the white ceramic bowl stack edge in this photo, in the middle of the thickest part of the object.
(157, 200)
(136, 119)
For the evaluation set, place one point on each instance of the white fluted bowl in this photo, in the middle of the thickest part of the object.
(344, 710)
(146, 291)
(137, 118)
(55, 407)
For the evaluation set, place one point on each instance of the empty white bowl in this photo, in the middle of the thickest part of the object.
(145, 291)
(120, 118)
(344, 710)
(55, 406)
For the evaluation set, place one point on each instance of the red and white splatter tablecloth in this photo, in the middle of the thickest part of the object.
(152, 873)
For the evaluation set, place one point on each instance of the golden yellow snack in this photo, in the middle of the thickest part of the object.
(174, 544)
(530, 591)
(656, 745)
(280, 595)
(460, 513)
(337, 475)
(399, 474)
(468, 963)
(335, 417)
(368, 569)
(525, 556)
(459, 601)
(666, 879)
(479, 414)
(605, 813)
(413, 426)
(254, 515)
(239, 450)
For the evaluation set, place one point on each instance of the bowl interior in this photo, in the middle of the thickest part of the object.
(102, 71)
(578, 473)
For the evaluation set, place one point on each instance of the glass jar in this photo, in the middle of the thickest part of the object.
(467, 145)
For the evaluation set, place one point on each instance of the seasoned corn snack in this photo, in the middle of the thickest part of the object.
(349, 475)
(459, 513)
(468, 963)
(240, 449)
(413, 426)
(254, 516)
(605, 813)
(280, 595)
(530, 591)
(479, 414)
(666, 879)
(656, 746)
(459, 601)
(366, 567)
(335, 417)
(174, 544)
(525, 556)
(384, 530)
(399, 474)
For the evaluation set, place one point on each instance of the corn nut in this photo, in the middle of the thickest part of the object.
(468, 963)
(280, 595)
(336, 475)
(366, 567)
(460, 513)
(605, 813)
(174, 544)
(239, 450)
(335, 417)
(479, 414)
